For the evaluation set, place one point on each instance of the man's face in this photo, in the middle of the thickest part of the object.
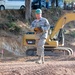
(38, 16)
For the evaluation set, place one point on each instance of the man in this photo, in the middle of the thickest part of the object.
(47, 4)
(40, 26)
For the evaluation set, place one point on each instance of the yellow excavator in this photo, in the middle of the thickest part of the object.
(55, 40)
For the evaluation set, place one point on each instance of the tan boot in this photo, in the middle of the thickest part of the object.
(43, 60)
(40, 60)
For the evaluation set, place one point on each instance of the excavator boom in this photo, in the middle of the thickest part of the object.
(62, 22)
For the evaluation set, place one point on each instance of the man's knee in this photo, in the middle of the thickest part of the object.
(41, 42)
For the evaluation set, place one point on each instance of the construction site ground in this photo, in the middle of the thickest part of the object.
(54, 65)
(25, 65)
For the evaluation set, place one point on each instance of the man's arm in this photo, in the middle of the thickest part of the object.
(46, 26)
(32, 26)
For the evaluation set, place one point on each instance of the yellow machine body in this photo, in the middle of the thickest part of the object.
(29, 39)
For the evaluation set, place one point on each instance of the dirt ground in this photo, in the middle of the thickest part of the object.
(54, 65)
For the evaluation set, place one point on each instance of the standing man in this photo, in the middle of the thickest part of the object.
(40, 26)
(47, 4)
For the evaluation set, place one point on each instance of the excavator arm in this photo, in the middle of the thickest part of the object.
(62, 22)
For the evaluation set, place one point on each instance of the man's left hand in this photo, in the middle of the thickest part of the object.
(38, 29)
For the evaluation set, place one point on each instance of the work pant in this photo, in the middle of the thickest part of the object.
(40, 47)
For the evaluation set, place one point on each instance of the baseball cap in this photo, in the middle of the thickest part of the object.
(38, 11)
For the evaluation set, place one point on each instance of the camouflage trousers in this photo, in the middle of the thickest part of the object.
(40, 47)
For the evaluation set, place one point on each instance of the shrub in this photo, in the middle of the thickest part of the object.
(11, 18)
(72, 34)
(11, 26)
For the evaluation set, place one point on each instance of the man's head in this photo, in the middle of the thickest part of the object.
(38, 13)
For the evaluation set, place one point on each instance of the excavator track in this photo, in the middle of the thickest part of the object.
(52, 51)
(66, 50)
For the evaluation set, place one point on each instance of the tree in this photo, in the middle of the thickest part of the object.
(39, 4)
(56, 3)
(28, 10)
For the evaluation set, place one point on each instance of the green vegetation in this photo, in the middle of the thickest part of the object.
(68, 1)
(11, 26)
(11, 18)
(55, 13)
(72, 34)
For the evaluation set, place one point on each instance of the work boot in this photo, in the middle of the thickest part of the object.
(43, 60)
(40, 60)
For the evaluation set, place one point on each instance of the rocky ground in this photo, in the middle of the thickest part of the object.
(54, 65)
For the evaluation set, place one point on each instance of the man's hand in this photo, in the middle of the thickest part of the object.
(38, 29)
